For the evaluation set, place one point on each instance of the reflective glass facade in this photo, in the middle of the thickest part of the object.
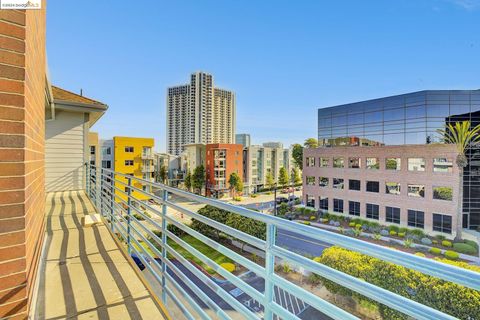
(411, 118)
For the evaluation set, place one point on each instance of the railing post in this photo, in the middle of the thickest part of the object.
(97, 190)
(87, 178)
(129, 214)
(101, 192)
(269, 270)
(112, 198)
(164, 245)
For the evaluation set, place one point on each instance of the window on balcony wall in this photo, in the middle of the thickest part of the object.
(442, 165)
(393, 164)
(323, 182)
(323, 203)
(310, 161)
(354, 163)
(392, 188)
(354, 208)
(416, 164)
(338, 183)
(373, 186)
(416, 190)
(310, 181)
(372, 211)
(128, 149)
(392, 214)
(338, 205)
(323, 162)
(442, 223)
(129, 162)
(373, 163)
(443, 193)
(338, 162)
(92, 150)
(354, 185)
(416, 219)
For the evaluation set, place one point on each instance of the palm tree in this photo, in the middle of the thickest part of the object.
(462, 136)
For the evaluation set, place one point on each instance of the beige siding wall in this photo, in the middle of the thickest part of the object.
(65, 151)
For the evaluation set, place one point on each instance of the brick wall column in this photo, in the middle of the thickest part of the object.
(22, 139)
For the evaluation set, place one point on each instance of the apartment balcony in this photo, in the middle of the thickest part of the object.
(147, 156)
(90, 271)
(148, 169)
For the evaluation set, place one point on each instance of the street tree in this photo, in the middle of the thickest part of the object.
(311, 143)
(295, 176)
(198, 179)
(188, 181)
(297, 155)
(236, 183)
(462, 136)
(162, 174)
(269, 181)
(283, 177)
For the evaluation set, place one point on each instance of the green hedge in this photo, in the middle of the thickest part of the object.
(453, 299)
(447, 243)
(435, 251)
(464, 248)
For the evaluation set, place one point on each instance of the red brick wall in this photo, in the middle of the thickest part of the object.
(22, 137)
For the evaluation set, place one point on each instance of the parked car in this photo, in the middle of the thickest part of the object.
(139, 261)
(293, 198)
(280, 200)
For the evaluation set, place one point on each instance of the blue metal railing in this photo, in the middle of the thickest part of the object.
(115, 196)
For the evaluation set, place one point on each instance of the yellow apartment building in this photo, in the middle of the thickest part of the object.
(134, 156)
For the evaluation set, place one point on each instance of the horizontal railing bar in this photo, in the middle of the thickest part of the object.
(220, 270)
(219, 247)
(313, 300)
(393, 300)
(259, 243)
(211, 284)
(177, 301)
(281, 312)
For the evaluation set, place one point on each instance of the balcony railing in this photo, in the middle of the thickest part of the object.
(185, 290)
(147, 169)
(147, 156)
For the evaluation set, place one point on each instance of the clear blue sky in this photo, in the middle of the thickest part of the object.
(284, 59)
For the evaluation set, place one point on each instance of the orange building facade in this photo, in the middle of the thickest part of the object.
(221, 161)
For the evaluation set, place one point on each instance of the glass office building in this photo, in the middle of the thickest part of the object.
(412, 118)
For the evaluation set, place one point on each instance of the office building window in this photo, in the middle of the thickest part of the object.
(92, 150)
(442, 223)
(323, 181)
(310, 201)
(416, 164)
(372, 211)
(392, 188)
(128, 149)
(373, 163)
(323, 162)
(416, 219)
(354, 185)
(354, 163)
(338, 205)
(310, 181)
(354, 208)
(310, 161)
(416, 190)
(106, 151)
(129, 162)
(323, 203)
(338, 163)
(393, 164)
(442, 165)
(443, 193)
(392, 214)
(373, 186)
(338, 183)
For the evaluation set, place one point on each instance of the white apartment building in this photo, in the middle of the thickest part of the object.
(199, 113)
(107, 154)
(264, 159)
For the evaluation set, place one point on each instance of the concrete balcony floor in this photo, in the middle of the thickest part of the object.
(84, 274)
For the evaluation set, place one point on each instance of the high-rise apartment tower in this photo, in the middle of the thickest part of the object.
(199, 113)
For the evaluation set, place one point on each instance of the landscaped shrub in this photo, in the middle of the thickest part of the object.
(237, 198)
(408, 243)
(286, 268)
(426, 241)
(297, 202)
(417, 232)
(336, 224)
(447, 243)
(393, 232)
(403, 229)
(384, 233)
(230, 267)
(305, 222)
(357, 232)
(253, 195)
(435, 251)
(358, 226)
(472, 243)
(176, 230)
(324, 220)
(447, 297)
(440, 237)
(420, 254)
(401, 234)
(312, 218)
(452, 255)
(352, 224)
(393, 228)
(464, 248)
(434, 241)
(377, 236)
